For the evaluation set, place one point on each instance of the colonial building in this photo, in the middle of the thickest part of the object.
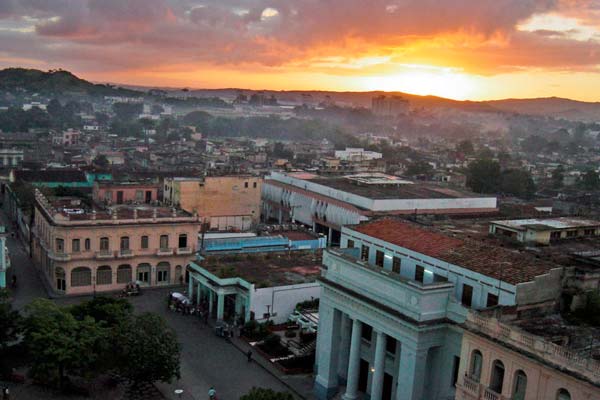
(391, 313)
(85, 249)
(545, 230)
(224, 202)
(327, 204)
(125, 192)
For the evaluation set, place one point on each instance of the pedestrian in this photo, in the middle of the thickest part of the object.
(212, 393)
(5, 393)
(249, 355)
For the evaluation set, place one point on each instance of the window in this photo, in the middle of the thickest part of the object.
(379, 257)
(164, 241)
(104, 244)
(588, 232)
(455, 368)
(254, 185)
(60, 245)
(104, 275)
(124, 274)
(125, 243)
(554, 235)
(182, 241)
(563, 394)
(492, 300)
(139, 195)
(366, 332)
(246, 185)
(88, 244)
(162, 272)
(497, 379)
(350, 244)
(81, 276)
(396, 264)
(364, 253)
(467, 295)
(144, 244)
(476, 363)
(143, 273)
(390, 345)
(419, 273)
(108, 196)
(571, 234)
(61, 283)
(520, 387)
(75, 246)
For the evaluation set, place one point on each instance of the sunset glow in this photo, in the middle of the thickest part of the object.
(465, 50)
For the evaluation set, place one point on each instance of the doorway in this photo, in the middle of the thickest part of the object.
(120, 197)
(363, 376)
(386, 393)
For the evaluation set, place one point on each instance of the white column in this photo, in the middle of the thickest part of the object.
(353, 362)
(345, 330)
(198, 290)
(411, 373)
(220, 306)
(326, 382)
(379, 365)
(190, 286)
(210, 302)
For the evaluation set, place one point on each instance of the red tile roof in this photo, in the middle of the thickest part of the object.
(509, 266)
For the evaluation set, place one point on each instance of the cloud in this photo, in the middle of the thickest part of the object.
(475, 36)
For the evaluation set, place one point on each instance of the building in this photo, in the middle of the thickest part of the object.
(224, 202)
(10, 158)
(325, 204)
(393, 302)
(67, 138)
(390, 106)
(125, 192)
(533, 358)
(545, 230)
(357, 154)
(257, 286)
(4, 258)
(82, 249)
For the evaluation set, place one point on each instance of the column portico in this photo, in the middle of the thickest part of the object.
(379, 366)
(220, 306)
(353, 362)
(326, 382)
(411, 373)
(346, 328)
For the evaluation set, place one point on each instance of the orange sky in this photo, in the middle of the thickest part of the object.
(462, 49)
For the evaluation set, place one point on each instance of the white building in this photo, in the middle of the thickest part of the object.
(357, 154)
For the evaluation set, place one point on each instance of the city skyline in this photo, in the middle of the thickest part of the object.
(488, 50)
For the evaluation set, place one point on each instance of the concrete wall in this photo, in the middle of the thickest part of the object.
(282, 300)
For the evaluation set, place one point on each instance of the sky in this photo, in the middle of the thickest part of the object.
(460, 49)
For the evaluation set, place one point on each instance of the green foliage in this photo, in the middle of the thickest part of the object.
(10, 319)
(227, 272)
(465, 147)
(256, 331)
(517, 182)
(419, 168)
(17, 120)
(148, 350)
(60, 345)
(101, 161)
(483, 176)
(308, 304)
(557, 177)
(590, 180)
(266, 394)
(127, 111)
(108, 310)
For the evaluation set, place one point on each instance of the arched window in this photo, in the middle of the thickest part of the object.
(476, 363)
(104, 244)
(104, 275)
(178, 274)
(162, 272)
(520, 385)
(124, 274)
(81, 276)
(563, 394)
(497, 379)
(143, 273)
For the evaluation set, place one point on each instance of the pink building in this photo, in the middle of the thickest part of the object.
(125, 192)
(83, 250)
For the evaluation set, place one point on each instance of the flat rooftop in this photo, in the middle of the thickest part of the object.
(548, 223)
(267, 269)
(511, 266)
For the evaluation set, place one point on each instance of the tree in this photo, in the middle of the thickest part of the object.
(465, 147)
(419, 168)
(557, 176)
(9, 321)
(110, 311)
(590, 180)
(517, 183)
(266, 394)
(59, 345)
(148, 350)
(101, 161)
(483, 176)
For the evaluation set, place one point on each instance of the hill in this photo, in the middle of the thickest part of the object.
(56, 82)
(550, 106)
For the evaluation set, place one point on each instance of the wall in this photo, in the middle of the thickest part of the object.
(282, 300)
(129, 193)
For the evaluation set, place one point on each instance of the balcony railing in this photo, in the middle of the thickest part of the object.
(489, 394)
(59, 256)
(184, 250)
(124, 253)
(164, 252)
(104, 254)
(472, 386)
(552, 353)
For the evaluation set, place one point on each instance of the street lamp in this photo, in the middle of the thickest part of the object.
(179, 392)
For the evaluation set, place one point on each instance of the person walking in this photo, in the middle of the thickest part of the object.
(249, 355)
(212, 393)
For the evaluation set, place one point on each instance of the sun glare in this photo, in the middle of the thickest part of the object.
(424, 81)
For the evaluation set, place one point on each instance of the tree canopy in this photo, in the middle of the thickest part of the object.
(266, 394)
(9, 321)
(483, 176)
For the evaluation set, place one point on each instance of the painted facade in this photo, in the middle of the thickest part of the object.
(4, 259)
(125, 192)
(224, 202)
(82, 252)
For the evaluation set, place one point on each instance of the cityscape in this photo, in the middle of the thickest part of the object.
(301, 200)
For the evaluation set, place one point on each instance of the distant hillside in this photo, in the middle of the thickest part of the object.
(551, 106)
(57, 82)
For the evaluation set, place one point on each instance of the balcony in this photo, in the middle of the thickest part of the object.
(471, 387)
(164, 252)
(104, 254)
(125, 253)
(489, 394)
(184, 250)
(59, 256)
